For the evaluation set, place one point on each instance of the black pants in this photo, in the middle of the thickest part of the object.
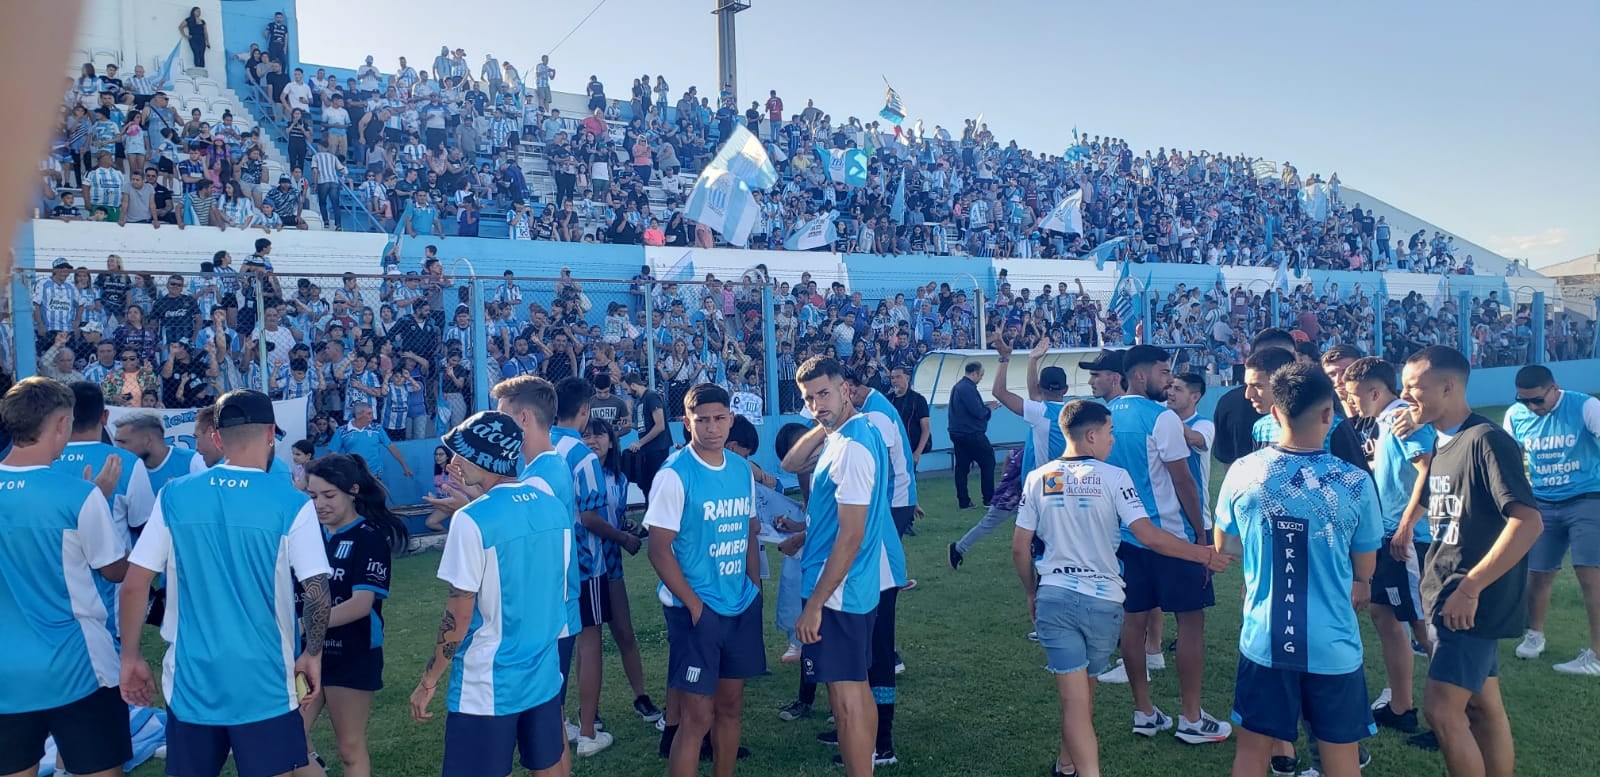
(198, 47)
(968, 449)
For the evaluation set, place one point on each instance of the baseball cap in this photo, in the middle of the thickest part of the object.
(244, 407)
(60, 264)
(1107, 361)
(1053, 379)
(489, 440)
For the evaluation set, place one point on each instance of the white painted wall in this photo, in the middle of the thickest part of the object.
(140, 31)
(294, 252)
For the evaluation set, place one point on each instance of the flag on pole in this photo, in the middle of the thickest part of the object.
(745, 157)
(1314, 201)
(815, 233)
(1122, 300)
(1067, 216)
(1104, 250)
(171, 68)
(918, 129)
(1264, 170)
(897, 209)
(893, 111)
(723, 203)
(1280, 280)
(845, 165)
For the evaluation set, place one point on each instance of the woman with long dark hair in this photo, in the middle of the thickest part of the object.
(193, 29)
(360, 535)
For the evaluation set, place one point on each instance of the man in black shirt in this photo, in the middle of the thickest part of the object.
(1234, 414)
(177, 314)
(1475, 577)
(645, 456)
(913, 409)
(969, 438)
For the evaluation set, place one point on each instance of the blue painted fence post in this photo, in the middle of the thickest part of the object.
(24, 339)
(1537, 353)
(480, 346)
(1464, 323)
(1379, 300)
(769, 347)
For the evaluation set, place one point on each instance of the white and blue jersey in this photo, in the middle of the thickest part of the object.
(55, 530)
(135, 494)
(1200, 462)
(1044, 440)
(615, 486)
(1394, 472)
(711, 510)
(179, 462)
(548, 473)
(849, 472)
(57, 304)
(588, 495)
(231, 541)
(1077, 508)
(1562, 446)
(886, 419)
(369, 379)
(370, 442)
(1148, 436)
(396, 403)
(510, 547)
(1299, 516)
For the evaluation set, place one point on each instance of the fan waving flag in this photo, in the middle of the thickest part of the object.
(1067, 216)
(845, 165)
(723, 203)
(897, 208)
(745, 157)
(171, 68)
(893, 111)
(816, 233)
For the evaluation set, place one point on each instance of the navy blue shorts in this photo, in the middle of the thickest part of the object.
(719, 647)
(1395, 584)
(265, 748)
(1271, 702)
(564, 654)
(360, 671)
(479, 745)
(91, 734)
(903, 516)
(844, 652)
(594, 601)
(1463, 660)
(1152, 580)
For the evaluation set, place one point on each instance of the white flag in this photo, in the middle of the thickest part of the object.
(721, 202)
(815, 233)
(1067, 216)
(744, 156)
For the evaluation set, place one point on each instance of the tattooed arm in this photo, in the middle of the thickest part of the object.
(314, 607)
(452, 630)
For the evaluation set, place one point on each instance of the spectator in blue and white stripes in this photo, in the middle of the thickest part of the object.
(105, 187)
(57, 305)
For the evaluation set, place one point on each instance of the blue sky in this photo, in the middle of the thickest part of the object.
(1480, 117)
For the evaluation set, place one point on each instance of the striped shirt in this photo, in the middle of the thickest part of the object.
(395, 404)
(105, 187)
(327, 167)
(57, 304)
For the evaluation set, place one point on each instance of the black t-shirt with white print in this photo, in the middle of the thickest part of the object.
(1475, 476)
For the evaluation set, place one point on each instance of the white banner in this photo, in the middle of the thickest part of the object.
(179, 424)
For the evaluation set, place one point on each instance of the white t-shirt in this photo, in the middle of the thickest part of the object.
(1077, 507)
(298, 95)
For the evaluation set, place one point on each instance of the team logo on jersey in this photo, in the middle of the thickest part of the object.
(1054, 484)
(343, 551)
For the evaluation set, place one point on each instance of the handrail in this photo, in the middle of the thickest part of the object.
(266, 116)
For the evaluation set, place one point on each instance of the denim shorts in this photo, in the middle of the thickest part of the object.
(1574, 524)
(1077, 631)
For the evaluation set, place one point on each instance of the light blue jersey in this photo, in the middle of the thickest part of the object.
(886, 419)
(1299, 516)
(1562, 446)
(548, 473)
(55, 530)
(229, 540)
(511, 547)
(1148, 436)
(1394, 472)
(179, 462)
(850, 471)
(370, 442)
(588, 491)
(1044, 440)
(131, 503)
(712, 511)
(1200, 461)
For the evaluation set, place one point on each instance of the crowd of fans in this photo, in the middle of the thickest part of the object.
(425, 151)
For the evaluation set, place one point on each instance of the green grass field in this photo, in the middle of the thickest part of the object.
(975, 699)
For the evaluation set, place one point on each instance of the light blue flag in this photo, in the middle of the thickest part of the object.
(1105, 251)
(815, 233)
(897, 209)
(893, 111)
(744, 156)
(1122, 301)
(723, 203)
(1067, 216)
(847, 166)
(171, 68)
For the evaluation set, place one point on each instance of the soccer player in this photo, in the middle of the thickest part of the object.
(360, 535)
(238, 532)
(844, 564)
(1069, 522)
(1309, 529)
(1150, 446)
(1399, 466)
(710, 585)
(591, 532)
(506, 560)
(205, 422)
(143, 435)
(1475, 578)
(133, 497)
(1560, 431)
(1235, 412)
(56, 537)
(1183, 398)
(1039, 410)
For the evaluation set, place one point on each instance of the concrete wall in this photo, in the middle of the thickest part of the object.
(144, 32)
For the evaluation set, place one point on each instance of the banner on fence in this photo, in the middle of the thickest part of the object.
(179, 424)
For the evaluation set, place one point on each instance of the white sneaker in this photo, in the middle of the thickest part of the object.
(572, 731)
(1118, 675)
(1383, 699)
(1584, 664)
(1206, 730)
(1155, 662)
(588, 746)
(661, 724)
(791, 655)
(1532, 645)
(1150, 725)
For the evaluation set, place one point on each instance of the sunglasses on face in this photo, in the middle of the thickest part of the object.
(1538, 401)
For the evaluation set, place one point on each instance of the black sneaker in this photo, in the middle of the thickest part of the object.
(646, 709)
(795, 710)
(1426, 740)
(884, 758)
(1054, 772)
(1363, 756)
(707, 756)
(956, 557)
(1285, 766)
(829, 738)
(1400, 721)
